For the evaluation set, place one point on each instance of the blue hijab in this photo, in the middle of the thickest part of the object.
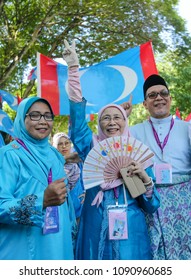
(41, 156)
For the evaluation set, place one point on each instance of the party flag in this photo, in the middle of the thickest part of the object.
(110, 81)
(6, 124)
(11, 100)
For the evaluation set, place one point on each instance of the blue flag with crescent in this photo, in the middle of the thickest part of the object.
(11, 100)
(6, 124)
(110, 81)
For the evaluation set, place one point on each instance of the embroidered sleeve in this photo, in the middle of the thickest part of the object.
(21, 195)
(24, 212)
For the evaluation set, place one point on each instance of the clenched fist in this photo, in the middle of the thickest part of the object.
(55, 194)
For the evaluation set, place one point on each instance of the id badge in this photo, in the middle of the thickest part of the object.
(163, 173)
(117, 216)
(51, 223)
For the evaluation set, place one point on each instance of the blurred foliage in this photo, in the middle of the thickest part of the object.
(101, 29)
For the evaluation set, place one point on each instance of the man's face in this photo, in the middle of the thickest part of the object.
(158, 107)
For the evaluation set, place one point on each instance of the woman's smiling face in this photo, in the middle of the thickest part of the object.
(112, 122)
(39, 129)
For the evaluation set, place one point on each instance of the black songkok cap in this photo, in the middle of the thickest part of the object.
(153, 80)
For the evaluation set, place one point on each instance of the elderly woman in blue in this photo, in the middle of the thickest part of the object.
(108, 230)
(36, 213)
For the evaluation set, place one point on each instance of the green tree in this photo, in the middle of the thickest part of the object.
(102, 29)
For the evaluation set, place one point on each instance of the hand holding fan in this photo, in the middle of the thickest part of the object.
(108, 157)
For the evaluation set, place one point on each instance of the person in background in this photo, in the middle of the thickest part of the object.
(5, 138)
(2, 139)
(170, 226)
(129, 239)
(37, 220)
(73, 168)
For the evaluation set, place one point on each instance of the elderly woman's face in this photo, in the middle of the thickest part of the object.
(39, 129)
(112, 122)
(64, 146)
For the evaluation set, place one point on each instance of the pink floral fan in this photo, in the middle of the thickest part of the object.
(104, 161)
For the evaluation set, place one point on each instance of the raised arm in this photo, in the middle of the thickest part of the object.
(71, 58)
(127, 106)
(81, 134)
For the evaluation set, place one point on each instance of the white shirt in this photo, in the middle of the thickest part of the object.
(177, 151)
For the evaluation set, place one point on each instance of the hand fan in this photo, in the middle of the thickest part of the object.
(104, 161)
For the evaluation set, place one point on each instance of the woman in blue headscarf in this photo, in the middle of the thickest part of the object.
(37, 218)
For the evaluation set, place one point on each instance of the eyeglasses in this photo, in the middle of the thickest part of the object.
(107, 119)
(153, 94)
(36, 116)
(67, 143)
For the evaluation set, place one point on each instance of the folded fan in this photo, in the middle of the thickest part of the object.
(104, 161)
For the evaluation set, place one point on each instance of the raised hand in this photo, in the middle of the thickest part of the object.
(127, 106)
(70, 55)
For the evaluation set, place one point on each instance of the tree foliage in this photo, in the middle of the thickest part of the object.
(101, 28)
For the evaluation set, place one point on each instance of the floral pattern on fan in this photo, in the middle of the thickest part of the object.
(104, 161)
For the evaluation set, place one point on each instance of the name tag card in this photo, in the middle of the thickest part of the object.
(163, 173)
(117, 216)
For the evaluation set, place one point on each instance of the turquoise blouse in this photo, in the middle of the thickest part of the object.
(23, 179)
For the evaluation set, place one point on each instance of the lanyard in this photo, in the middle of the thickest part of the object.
(166, 137)
(116, 195)
(50, 176)
(25, 147)
(51, 223)
(23, 144)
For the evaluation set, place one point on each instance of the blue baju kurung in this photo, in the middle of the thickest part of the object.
(23, 180)
(92, 241)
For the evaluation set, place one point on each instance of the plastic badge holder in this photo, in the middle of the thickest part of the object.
(134, 184)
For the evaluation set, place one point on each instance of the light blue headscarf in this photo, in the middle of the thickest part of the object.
(42, 154)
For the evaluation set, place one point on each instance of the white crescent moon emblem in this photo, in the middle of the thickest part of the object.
(15, 102)
(129, 76)
(130, 80)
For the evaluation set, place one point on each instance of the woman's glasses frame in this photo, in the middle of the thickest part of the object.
(36, 116)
